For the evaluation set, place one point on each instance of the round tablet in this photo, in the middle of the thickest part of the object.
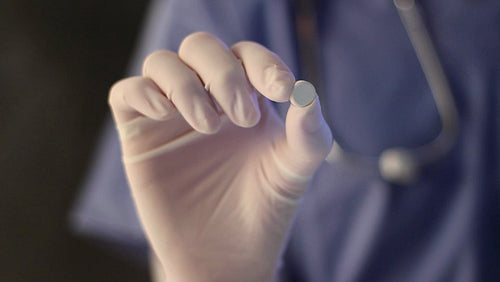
(303, 93)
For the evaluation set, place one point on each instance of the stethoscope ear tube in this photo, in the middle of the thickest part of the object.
(401, 165)
(396, 165)
(308, 45)
(436, 78)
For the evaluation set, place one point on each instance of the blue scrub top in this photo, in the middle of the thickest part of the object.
(351, 224)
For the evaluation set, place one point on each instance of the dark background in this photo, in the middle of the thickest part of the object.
(57, 61)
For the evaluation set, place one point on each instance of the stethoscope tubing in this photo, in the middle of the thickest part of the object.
(436, 78)
(409, 158)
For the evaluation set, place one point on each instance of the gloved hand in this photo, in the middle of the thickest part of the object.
(215, 173)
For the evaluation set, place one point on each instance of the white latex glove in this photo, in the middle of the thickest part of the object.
(216, 174)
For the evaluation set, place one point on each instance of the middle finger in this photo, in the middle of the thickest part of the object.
(223, 76)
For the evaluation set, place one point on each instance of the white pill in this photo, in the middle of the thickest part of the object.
(303, 93)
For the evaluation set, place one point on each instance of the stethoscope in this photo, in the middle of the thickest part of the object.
(399, 165)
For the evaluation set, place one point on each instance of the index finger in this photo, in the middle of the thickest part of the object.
(265, 70)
